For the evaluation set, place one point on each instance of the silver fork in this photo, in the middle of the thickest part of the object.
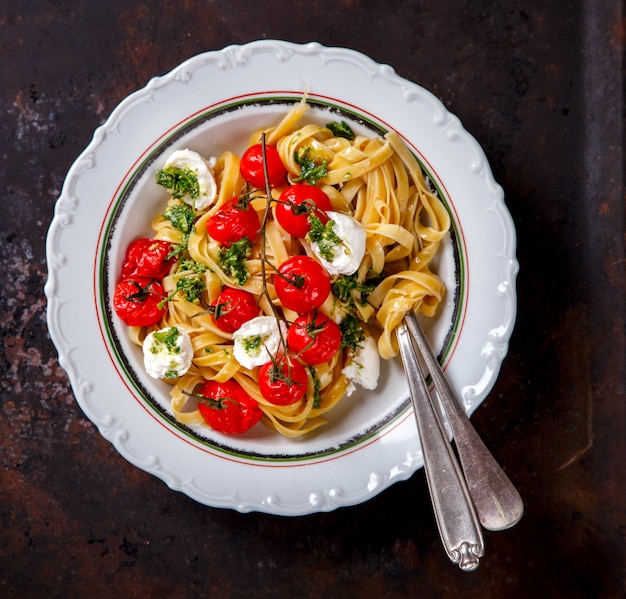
(456, 518)
(497, 501)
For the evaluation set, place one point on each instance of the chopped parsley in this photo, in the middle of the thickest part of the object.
(252, 344)
(233, 260)
(179, 182)
(341, 129)
(192, 287)
(178, 249)
(167, 337)
(181, 216)
(348, 290)
(324, 236)
(190, 264)
(352, 333)
(310, 171)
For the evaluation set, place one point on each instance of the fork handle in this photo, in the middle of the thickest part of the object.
(454, 513)
(497, 501)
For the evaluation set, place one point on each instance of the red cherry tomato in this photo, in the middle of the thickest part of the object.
(136, 301)
(302, 284)
(283, 381)
(251, 166)
(293, 216)
(148, 258)
(233, 307)
(227, 408)
(232, 223)
(314, 338)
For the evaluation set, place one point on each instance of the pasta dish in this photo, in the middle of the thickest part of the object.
(273, 281)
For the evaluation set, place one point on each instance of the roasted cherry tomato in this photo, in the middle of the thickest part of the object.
(136, 301)
(314, 338)
(283, 381)
(232, 308)
(302, 284)
(296, 203)
(148, 258)
(251, 166)
(232, 222)
(227, 408)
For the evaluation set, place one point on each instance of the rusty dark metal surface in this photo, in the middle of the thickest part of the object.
(540, 85)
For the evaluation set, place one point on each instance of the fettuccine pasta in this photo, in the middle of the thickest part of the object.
(377, 182)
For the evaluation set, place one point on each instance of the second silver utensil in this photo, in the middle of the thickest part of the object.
(497, 501)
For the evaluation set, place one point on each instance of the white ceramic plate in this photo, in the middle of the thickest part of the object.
(211, 103)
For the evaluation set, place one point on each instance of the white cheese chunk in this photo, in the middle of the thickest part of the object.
(167, 354)
(256, 341)
(188, 160)
(348, 253)
(363, 366)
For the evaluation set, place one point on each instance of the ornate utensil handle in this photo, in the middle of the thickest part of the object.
(454, 513)
(497, 501)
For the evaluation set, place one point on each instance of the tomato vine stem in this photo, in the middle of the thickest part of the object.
(276, 367)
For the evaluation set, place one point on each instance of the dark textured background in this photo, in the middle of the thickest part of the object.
(540, 85)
